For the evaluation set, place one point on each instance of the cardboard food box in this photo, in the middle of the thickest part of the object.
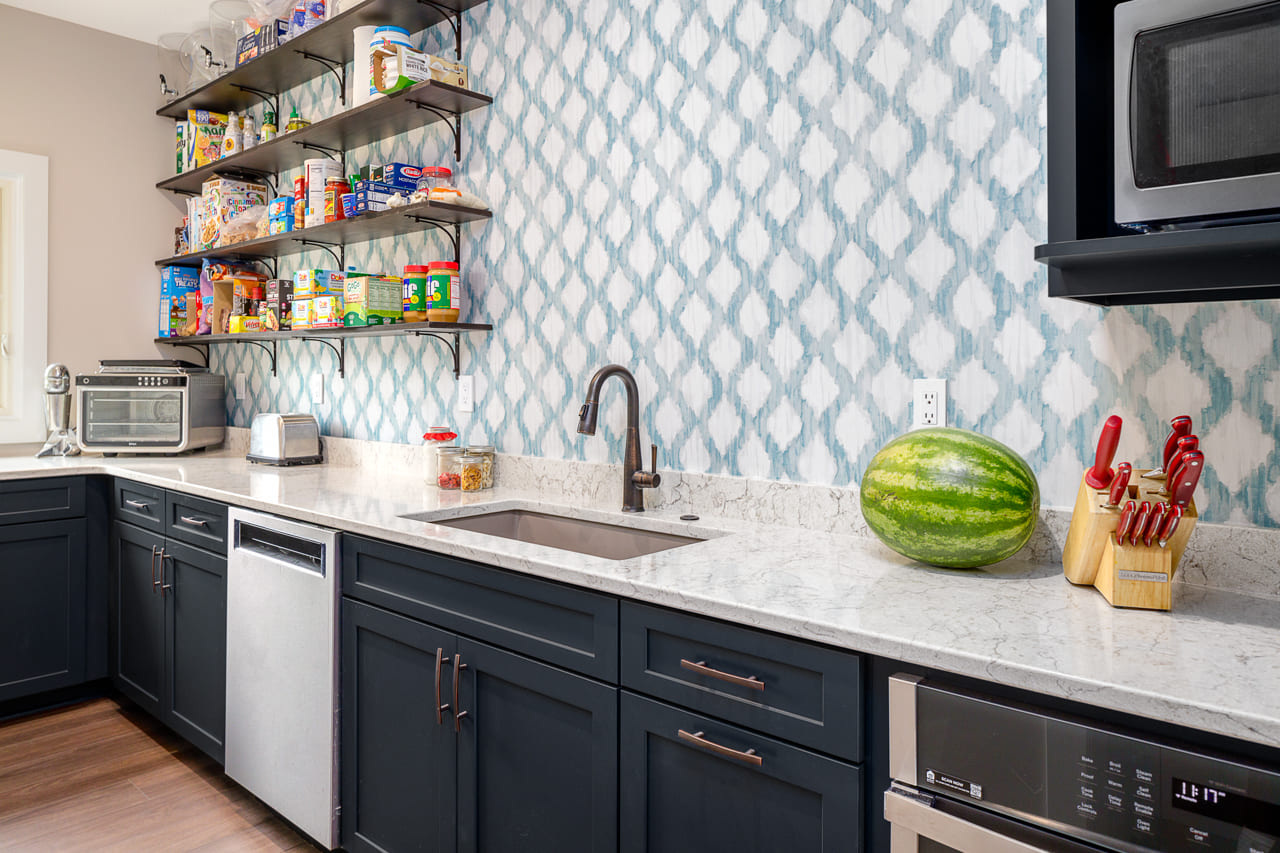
(264, 38)
(203, 138)
(277, 310)
(326, 312)
(308, 284)
(373, 300)
(219, 309)
(394, 176)
(175, 284)
(241, 323)
(302, 314)
(224, 199)
(393, 67)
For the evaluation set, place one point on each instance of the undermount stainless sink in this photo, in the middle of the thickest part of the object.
(596, 538)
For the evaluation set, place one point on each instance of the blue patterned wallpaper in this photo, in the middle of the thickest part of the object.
(778, 214)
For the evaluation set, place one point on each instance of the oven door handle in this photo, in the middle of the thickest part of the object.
(916, 815)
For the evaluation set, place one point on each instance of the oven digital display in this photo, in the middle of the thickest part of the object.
(1226, 806)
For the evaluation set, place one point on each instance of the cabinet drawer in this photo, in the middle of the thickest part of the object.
(45, 499)
(572, 628)
(139, 504)
(801, 692)
(196, 521)
(696, 783)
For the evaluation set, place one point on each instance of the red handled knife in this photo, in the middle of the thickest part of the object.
(1170, 524)
(1140, 522)
(1099, 476)
(1178, 427)
(1188, 477)
(1186, 444)
(1154, 523)
(1119, 484)
(1126, 521)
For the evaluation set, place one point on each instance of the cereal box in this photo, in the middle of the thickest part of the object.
(203, 138)
(175, 284)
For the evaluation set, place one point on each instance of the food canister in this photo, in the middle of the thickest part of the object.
(435, 176)
(472, 473)
(448, 469)
(444, 300)
(415, 293)
(488, 455)
(435, 438)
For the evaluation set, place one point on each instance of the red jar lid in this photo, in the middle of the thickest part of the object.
(442, 265)
(437, 172)
(416, 268)
(439, 436)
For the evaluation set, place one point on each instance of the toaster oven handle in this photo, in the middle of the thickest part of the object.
(194, 522)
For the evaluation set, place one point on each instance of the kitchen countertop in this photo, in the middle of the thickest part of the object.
(1212, 664)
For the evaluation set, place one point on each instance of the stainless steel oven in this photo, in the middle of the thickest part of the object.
(975, 775)
(150, 407)
(1197, 112)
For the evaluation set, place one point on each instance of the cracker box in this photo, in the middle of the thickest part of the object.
(373, 300)
(327, 312)
(308, 284)
(241, 323)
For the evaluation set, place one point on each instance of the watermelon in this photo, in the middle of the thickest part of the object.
(951, 498)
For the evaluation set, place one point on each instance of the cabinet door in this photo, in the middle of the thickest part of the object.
(138, 643)
(194, 591)
(42, 606)
(538, 757)
(398, 762)
(682, 793)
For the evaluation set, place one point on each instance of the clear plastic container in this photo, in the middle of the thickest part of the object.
(435, 438)
(472, 469)
(449, 467)
(489, 456)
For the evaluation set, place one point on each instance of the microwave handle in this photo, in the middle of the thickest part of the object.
(911, 816)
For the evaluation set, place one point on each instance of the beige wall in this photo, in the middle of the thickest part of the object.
(87, 101)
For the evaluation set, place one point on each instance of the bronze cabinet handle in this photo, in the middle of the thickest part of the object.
(194, 522)
(697, 739)
(164, 586)
(136, 504)
(155, 552)
(701, 668)
(440, 709)
(458, 666)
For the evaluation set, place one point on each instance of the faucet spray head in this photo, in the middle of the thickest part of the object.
(587, 417)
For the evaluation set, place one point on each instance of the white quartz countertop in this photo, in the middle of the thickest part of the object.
(1211, 664)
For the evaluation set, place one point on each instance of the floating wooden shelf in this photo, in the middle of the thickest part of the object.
(325, 48)
(418, 106)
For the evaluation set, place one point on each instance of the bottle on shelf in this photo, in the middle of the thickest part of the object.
(231, 141)
(249, 137)
(295, 123)
(268, 126)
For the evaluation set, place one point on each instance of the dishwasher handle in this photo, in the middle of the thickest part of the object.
(294, 551)
(911, 815)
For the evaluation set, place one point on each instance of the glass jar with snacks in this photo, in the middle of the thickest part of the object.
(436, 437)
(489, 455)
(435, 176)
(472, 468)
(448, 467)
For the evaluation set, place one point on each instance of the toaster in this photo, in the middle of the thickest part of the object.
(284, 440)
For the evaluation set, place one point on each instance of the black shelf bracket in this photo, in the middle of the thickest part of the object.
(269, 263)
(331, 153)
(337, 69)
(176, 191)
(450, 229)
(454, 18)
(269, 350)
(271, 99)
(339, 351)
(203, 349)
(455, 348)
(340, 255)
(454, 120)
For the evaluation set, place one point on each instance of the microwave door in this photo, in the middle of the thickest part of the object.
(921, 822)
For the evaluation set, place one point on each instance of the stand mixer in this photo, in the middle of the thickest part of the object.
(57, 413)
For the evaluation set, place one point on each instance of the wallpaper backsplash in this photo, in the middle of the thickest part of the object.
(777, 214)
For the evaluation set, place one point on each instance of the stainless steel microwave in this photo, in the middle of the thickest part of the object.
(1197, 112)
(150, 407)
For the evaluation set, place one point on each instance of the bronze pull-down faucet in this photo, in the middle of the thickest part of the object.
(634, 478)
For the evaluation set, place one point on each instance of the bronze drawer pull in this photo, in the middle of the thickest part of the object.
(701, 668)
(440, 709)
(194, 522)
(155, 552)
(458, 666)
(136, 504)
(697, 739)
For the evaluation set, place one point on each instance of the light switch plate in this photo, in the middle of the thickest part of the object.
(317, 389)
(240, 389)
(466, 393)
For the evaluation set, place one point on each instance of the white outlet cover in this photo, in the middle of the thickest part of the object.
(240, 386)
(317, 389)
(923, 414)
(466, 393)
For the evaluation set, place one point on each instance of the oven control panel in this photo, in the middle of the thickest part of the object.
(1122, 792)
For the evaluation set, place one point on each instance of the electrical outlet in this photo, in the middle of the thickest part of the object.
(240, 390)
(466, 393)
(317, 389)
(928, 403)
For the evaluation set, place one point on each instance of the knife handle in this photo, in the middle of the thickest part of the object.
(1170, 524)
(1186, 444)
(1181, 489)
(1140, 522)
(1119, 483)
(1153, 525)
(1179, 426)
(1099, 476)
(1126, 521)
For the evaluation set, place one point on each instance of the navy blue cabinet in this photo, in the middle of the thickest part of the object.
(169, 626)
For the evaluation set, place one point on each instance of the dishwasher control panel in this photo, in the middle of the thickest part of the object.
(1116, 790)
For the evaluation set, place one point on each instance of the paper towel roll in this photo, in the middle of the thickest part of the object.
(361, 86)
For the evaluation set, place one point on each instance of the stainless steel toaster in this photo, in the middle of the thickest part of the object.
(285, 440)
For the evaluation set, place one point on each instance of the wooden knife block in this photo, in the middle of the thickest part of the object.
(1090, 555)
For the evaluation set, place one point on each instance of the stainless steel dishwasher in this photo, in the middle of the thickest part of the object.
(282, 668)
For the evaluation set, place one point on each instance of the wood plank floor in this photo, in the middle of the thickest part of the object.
(103, 776)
